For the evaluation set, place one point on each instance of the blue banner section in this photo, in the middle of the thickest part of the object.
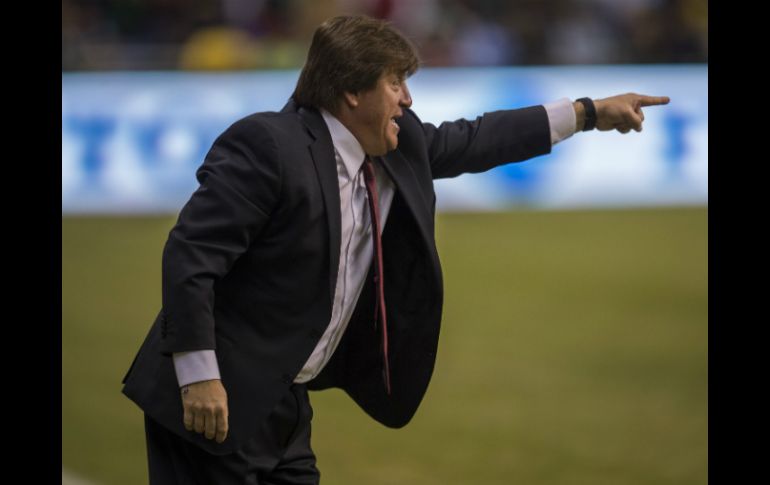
(131, 142)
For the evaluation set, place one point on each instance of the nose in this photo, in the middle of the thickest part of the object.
(406, 97)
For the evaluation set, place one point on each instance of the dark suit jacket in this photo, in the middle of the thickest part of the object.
(250, 267)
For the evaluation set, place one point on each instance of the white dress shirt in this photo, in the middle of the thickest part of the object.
(355, 245)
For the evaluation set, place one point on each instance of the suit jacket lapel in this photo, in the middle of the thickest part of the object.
(322, 152)
(404, 178)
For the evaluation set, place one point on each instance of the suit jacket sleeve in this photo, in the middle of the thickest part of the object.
(490, 140)
(239, 186)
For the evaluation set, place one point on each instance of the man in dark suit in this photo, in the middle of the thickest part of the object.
(306, 259)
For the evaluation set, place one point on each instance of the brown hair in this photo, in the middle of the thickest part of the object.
(349, 54)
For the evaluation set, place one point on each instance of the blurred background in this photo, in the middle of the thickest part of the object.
(270, 34)
(578, 356)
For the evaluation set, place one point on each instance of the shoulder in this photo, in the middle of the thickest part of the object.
(410, 120)
(410, 126)
(268, 123)
(263, 132)
(411, 135)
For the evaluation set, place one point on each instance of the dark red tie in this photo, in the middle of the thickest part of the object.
(379, 304)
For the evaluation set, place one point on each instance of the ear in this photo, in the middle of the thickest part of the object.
(351, 99)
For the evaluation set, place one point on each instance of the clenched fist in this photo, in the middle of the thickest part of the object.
(205, 408)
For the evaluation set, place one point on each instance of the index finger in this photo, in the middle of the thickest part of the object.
(653, 100)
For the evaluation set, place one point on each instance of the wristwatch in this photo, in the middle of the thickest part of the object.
(590, 109)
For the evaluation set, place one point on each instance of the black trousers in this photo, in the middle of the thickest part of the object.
(280, 453)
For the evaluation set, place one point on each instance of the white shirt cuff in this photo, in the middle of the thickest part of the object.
(195, 366)
(562, 119)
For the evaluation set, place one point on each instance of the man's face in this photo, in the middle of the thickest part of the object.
(373, 116)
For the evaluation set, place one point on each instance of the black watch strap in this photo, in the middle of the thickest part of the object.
(590, 118)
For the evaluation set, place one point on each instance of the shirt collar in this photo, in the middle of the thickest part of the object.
(346, 145)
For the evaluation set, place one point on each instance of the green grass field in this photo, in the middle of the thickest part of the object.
(573, 351)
